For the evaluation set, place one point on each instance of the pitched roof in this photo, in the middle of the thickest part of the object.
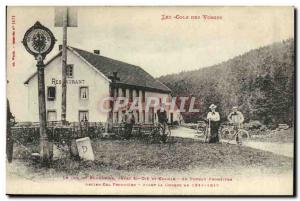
(129, 74)
(35, 73)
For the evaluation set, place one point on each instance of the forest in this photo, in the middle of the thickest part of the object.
(260, 82)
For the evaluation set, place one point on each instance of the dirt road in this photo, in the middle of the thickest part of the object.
(285, 149)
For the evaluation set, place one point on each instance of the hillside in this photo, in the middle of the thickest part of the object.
(260, 82)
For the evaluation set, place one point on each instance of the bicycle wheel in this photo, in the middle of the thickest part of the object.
(201, 130)
(243, 134)
(226, 133)
(166, 135)
(168, 131)
(154, 137)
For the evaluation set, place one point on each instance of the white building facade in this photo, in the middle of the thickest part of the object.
(88, 83)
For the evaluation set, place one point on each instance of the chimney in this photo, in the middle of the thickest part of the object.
(97, 52)
(59, 47)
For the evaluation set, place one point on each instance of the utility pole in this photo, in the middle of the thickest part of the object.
(114, 78)
(64, 17)
(64, 68)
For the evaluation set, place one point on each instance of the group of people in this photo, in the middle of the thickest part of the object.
(235, 117)
(129, 120)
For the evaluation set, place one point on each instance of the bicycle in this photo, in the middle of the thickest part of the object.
(201, 127)
(234, 131)
(203, 130)
(161, 133)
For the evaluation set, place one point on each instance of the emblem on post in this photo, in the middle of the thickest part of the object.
(38, 40)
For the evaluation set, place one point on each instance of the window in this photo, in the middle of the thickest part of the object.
(124, 92)
(116, 117)
(116, 94)
(51, 93)
(130, 95)
(143, 96)
(151, 115)
(70, 70)
(51, 115)
(144, 116)
(138, 116)
(172, 117)
(137, 93)
(124, 116)
(83, 116)
(84, 93)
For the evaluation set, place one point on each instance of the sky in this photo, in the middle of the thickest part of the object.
(139, 36)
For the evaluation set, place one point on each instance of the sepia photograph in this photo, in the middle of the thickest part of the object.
(150, 100)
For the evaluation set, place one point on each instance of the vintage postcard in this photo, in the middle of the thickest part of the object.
(150, 100)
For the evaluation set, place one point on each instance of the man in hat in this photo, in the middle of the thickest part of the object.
(236, 118)
(214, 123)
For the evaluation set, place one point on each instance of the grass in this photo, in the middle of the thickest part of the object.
(184, 154)
(282, 136)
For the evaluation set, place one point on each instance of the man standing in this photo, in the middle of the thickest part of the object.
(236, 118)
(213, 118)
(162, 115)
(163, 121)
(129, 121)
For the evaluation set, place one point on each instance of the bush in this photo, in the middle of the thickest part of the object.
(189, 125)
(254, 125)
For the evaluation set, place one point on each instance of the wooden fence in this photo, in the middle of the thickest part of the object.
(28, 132)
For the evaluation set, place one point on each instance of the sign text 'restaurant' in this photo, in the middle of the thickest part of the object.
(55, 81)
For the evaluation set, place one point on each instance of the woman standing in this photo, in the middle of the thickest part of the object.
(213, 118)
